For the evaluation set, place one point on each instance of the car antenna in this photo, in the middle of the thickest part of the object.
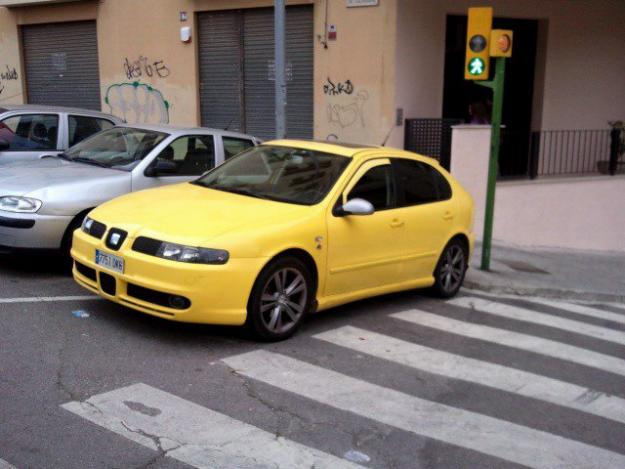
(229, 123)
(388, 135)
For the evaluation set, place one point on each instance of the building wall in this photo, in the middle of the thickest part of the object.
(11, 75)
(363, 53)
(148, 74)
(579, 80)
(581, 213)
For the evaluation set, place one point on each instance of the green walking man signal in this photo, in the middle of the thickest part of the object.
(476, 66)
(483, 43)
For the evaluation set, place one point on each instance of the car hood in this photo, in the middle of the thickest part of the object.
(64, 187)
(23, 178)
(191, 214)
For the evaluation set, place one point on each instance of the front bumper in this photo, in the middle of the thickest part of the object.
(32, 231)
(218, 294)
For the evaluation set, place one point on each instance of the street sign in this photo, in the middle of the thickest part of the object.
(478, 39)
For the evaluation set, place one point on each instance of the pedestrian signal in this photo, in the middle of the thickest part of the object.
(478, 43)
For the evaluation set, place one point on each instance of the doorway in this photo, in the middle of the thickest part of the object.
(460, 94)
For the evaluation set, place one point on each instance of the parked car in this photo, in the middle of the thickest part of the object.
(43, 201)
(29, 131)
(283, 229)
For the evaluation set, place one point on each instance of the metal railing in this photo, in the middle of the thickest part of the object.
(430, 137)
(575, 153)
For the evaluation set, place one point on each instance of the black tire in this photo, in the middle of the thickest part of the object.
(274, 313)
(66, 243)
(450, 269)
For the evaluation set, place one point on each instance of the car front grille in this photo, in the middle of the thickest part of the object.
(86, 271)
(108, 284)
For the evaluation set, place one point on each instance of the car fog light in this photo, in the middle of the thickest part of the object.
(179, 302)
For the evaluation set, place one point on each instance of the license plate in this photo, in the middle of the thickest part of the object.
(109, 261)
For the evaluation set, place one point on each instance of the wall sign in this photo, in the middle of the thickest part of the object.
(362, 3)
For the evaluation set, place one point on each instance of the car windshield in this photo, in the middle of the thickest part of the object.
(278, 173)
(120, 147)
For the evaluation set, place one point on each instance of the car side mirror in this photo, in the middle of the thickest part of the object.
(161, 167)
(358, 207)
(4, 145)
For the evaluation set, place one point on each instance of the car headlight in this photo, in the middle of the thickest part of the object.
(17, 204)
(180, 253)
(87, 224)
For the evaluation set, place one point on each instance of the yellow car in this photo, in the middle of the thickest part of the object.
(283, 229)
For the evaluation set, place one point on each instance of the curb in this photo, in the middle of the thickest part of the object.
(554, 293)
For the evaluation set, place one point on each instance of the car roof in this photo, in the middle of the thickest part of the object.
(44, 108)
(182, 130)
(338, 148)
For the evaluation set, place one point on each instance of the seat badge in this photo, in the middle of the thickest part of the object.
(114, 239)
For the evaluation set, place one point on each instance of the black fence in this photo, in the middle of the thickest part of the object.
(430, 137)
(576, 153)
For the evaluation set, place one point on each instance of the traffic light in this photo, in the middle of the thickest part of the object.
(501, 43)
(478, 42)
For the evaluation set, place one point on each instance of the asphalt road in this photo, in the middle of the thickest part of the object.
(400, 381)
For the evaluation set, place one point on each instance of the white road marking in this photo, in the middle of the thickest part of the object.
(534, 317)
(194, 434)
(459, 427)
(477, 371)
(38, 299)
(580, 309)
(517, 340)
(617, 305)
(5, 465)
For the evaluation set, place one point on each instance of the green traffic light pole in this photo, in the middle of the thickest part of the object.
(496, 84)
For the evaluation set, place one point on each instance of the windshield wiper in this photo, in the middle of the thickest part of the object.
(236, 190)
(82, 159)
(63, 156)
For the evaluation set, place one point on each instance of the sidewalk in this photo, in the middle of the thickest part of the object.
(553, 273)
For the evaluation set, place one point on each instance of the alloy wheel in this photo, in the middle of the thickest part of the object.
(452, 268)
(283, 300)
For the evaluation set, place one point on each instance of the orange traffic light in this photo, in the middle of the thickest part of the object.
(501, 43)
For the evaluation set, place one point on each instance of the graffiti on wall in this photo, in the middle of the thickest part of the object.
(349, 113)
(7, 74)
(334, 89)
(137, 103)
(144, 67)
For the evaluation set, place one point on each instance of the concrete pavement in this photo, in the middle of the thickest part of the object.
(551, 273)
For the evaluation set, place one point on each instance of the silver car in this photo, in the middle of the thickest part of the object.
(29, 131)
(43, 201)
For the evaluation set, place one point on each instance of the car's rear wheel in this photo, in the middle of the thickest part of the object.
(451, 269)
(281, 296)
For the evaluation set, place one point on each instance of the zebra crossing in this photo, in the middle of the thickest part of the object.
(214, 436)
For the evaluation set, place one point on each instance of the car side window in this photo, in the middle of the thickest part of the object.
(376, 186)
(233, 146)
(193, 155)
(30, 132)
(420, 183)
(81, 127)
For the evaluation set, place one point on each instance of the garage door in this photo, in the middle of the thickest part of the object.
(236, 51)
(61, 63)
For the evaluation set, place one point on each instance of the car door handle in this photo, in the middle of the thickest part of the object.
(448, 215)
(396, 223)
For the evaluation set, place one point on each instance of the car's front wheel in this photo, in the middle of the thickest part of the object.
(281, 296)
(451, 269)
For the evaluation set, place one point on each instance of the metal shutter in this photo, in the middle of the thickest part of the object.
(240, 58)
(299, 53)
(61, 63)
(259, 90)
(221, 70)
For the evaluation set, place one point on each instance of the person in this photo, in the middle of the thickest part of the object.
(479, 113)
